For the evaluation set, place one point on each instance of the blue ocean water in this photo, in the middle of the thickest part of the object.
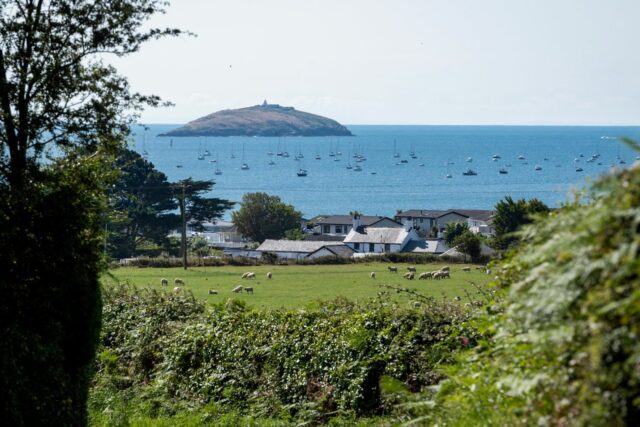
(385, 183)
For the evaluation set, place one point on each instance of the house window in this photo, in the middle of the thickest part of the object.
(338, 229)
(356, 246)
(326, 229)
(372, 247)
(387, 247)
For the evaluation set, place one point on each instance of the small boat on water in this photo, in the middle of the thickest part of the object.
(178, 165)
(217, 172)
(495, 157)
(521, 157)
(469, 159)
(579, 169)
(271, 162)
(469, 172)
(349, 166)
(206, 153)
(302, 172)
(358, 168)
(503, 171)
(448, 176)
(421, 164)
(404, 161)
(537, 168)
(318, 157)
(244, 167)
(200, 156)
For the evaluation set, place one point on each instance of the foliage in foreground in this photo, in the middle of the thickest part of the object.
(162, 356)
(564, 347)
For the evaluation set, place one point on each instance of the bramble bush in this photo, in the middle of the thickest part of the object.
(562, 338)
(162, 355)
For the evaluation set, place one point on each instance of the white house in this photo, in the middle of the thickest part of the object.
(341, 225)
(479, 221)
(378, 239)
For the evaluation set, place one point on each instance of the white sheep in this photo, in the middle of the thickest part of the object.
(445, 268)
(425, 275)
(409, 275)
(244, 275)
(237, 289)
(251, 275)
(269, 275)
(164, 282)
(177, 289)
(178, 282)
(213, 292)
(372, 275)
(441, 275)
(249, 290)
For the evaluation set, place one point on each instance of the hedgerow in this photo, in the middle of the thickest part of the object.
(162, 355)
(562, 344)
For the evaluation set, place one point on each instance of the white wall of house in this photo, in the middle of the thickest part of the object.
(375, 247)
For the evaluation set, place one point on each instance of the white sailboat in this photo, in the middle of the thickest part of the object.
(244, 166)
(218, 171)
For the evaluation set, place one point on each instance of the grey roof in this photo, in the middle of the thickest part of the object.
(432, 246)
(302, 246)
(323, 237)
(338, 250)
(419, 213)
(344, 219)
(469, 213)
(377, 235)
(484, 250)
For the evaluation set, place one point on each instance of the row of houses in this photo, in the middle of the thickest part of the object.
(358, 235)
(422, 221)
(411, 231)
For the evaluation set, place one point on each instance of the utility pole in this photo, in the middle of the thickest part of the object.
(184, 226)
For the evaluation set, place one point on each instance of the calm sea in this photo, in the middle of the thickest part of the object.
(386, 183)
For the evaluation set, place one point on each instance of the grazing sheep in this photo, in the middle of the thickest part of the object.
(237, 289)
(249, 290)
(251, 275)
(445, 268)
(393, 269)
(269, 275)
(177, 289)
(373, 275)
(443, 275)
(244, 275)
(425, 275)
(178, 282)
(409, 275)
(213, 292)
(413, 269)
(164, 282)
(467, 269)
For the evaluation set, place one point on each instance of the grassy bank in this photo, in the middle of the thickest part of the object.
(302, 286)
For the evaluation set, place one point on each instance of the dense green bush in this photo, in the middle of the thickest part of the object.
(564, 347)
(163, 354)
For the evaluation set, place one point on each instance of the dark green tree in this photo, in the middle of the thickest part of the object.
(262, 216)
(294, 234)
(511, 216)
(453, 230)
(142, 206)
(469, 244)
(57, 95)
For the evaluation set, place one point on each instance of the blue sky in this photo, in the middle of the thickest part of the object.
(400, 61)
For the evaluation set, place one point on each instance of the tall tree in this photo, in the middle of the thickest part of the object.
(510, 216)
(453, 230)
(57, 92)
(142, 205)
(262, 216)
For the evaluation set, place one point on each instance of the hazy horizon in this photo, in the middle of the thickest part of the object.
(411, 62)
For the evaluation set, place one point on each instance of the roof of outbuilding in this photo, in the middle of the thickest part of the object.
(337, 250)
(303, 246)
(433, 246)
(384, 235)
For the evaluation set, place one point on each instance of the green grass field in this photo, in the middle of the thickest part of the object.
(302, 286)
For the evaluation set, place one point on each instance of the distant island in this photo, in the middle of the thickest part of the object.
(261, 120)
